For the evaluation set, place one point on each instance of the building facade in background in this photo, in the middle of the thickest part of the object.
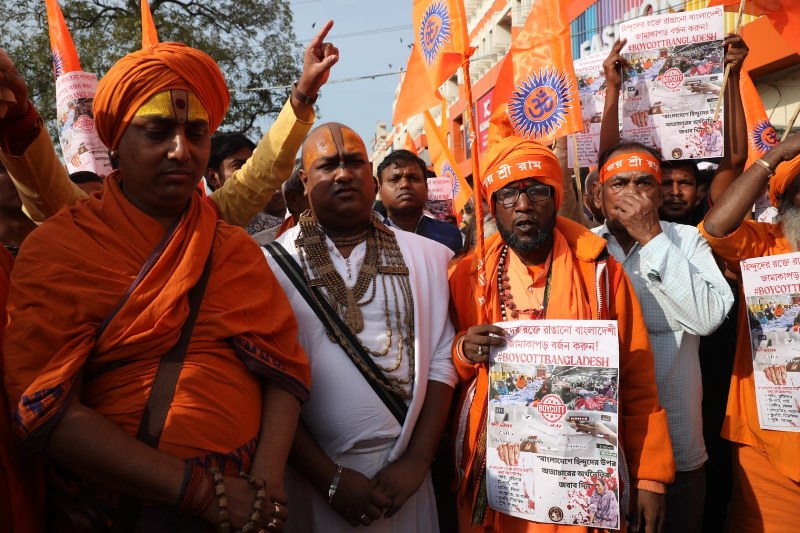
(493, 24)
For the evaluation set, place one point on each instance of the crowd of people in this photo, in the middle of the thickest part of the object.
(161, 372)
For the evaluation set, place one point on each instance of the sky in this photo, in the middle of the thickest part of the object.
(382, 24)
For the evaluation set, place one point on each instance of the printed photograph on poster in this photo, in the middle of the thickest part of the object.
(592, 92)
(552, 423)
(772, 295)
(672, 83)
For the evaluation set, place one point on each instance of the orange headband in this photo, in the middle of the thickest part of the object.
(630, 162)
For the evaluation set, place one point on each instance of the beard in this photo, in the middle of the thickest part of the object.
(520, 246)
(789, 220)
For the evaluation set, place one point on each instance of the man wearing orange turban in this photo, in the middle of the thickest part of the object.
(540, 266)
(766, 489)
(101, 292)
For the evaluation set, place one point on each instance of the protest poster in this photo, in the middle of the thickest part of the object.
(592, 92)
(772, 295)
(551, 448)
(673, 81)
(440, 197)
(80, 145)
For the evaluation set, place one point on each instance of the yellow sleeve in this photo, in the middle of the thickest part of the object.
(251, 187)
(41, 179)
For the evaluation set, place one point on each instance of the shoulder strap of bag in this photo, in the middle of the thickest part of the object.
(160, 398)
(334, 325)
(169, 369)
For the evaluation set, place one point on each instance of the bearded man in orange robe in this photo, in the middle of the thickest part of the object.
(766, 469)
(555, 269)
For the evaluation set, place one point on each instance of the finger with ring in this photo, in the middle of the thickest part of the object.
(480, 350)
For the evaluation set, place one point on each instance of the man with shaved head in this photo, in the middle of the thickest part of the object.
(373, 304)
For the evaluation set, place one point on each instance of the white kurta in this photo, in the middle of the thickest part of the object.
(343, 414)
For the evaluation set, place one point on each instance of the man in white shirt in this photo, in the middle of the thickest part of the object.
(683, 296)
(358, 458)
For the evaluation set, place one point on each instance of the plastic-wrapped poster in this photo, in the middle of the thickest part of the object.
(592, 92)
(440, 197)
(82, 148)
(772, 295)
(672, 84)
(551, 449)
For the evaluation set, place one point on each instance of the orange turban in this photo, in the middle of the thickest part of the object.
(510, 158)
(785, 174)
(140, 75)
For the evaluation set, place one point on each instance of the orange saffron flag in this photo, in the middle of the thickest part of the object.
(149, 35)
(784, 15)
(537, 78)
(65, 57)
(761, 136)
(441, 45)
(444, 163)
(409, 144)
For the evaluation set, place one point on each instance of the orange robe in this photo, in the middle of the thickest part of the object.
(643, 423)
(74, 270)
(781, 449)
(21, 489)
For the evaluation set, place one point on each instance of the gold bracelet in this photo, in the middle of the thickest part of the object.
(760, 162)
(460, 350)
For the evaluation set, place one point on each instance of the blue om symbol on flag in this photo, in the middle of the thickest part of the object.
(763, 137)
(58, 63)
(540, 104)
(434, 31)
(448, 172)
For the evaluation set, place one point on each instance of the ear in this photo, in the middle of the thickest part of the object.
(304, 178)
(213, 178)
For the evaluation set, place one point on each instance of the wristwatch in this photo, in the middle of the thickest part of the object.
(305, 99)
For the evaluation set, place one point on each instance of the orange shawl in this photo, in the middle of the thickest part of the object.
(74, 269)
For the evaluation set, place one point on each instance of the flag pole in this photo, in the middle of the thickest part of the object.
(790, 124)
(476, 192)
(728, 66)
(576, 166)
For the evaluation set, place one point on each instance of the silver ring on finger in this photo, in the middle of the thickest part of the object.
(362, 517)
(480, 350)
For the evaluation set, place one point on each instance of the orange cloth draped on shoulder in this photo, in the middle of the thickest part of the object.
(286, 226)
(21, 479)
(74, 270)
(643, 423)
(753, 239)
(135, 78)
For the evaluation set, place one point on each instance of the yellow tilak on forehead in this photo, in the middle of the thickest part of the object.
(173, 104)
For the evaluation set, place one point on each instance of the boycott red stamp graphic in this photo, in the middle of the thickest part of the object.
(672, 78)
(551, 408)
